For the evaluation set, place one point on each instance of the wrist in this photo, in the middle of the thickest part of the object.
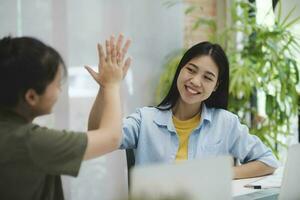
(111, 87)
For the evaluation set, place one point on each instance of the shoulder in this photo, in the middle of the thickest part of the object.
(222, 115)
(226, 123)
(148, 115)
(148, 111)
(36, 133)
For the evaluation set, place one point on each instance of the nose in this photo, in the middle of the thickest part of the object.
(197, 81)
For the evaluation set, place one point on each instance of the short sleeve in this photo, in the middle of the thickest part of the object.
(131, 130)
(56, 152)
(247, 147)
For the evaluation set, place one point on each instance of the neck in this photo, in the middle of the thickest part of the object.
(24, 112)
(183, 111)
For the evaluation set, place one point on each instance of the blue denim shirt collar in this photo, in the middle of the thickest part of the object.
(165, 118)
(206, 114)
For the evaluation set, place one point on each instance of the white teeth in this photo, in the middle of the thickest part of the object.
(191, 90)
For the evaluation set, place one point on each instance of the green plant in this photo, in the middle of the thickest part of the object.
(264, 63)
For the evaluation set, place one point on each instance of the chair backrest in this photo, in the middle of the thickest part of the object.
(130, 162)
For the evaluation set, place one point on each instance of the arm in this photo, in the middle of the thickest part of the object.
(97, 109)
(106, 135)
(252, 169)
(256, 158)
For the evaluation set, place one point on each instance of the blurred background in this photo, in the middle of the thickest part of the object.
(160, 30)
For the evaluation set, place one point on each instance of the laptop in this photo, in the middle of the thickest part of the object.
(203, 179)
(289, 189)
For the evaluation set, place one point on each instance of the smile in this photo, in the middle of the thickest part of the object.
(191, 90)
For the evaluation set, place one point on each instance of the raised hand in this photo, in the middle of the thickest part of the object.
(121, 53)
(111, 68)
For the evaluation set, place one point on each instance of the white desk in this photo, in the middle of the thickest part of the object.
(238, 186)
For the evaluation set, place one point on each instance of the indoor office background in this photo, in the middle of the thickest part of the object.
(74, 27)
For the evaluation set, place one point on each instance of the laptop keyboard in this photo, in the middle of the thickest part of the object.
(265, 194)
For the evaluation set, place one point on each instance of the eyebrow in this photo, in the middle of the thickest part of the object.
(196, 66)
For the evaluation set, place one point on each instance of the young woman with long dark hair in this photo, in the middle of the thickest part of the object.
(192, 121)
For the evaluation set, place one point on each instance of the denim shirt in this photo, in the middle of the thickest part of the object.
(152, 134)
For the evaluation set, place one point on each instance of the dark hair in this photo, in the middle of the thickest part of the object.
(25, 63)
(219, 98)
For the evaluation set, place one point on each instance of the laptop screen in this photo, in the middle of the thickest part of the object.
(291, 177)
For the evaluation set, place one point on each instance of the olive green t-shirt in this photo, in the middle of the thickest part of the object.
(32, 158)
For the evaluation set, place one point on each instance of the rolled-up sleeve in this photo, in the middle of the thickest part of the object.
(131, 130)
(247, 147)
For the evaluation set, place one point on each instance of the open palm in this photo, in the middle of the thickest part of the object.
(111, 68)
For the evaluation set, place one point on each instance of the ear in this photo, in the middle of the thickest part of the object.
(31, 97)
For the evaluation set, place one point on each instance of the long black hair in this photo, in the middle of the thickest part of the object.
(25, 63)
(219, 98)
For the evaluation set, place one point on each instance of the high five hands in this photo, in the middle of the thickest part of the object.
(111, 68)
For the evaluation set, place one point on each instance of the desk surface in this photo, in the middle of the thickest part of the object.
(238, 185)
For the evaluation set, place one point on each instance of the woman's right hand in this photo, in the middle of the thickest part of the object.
(111, 68)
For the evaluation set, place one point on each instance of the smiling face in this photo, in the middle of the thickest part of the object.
(197, 80)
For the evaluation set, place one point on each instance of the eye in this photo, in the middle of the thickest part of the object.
(208, 78)
(191, 70)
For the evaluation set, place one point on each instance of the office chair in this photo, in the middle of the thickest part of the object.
(130, 162)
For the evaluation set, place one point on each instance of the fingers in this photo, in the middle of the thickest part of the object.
(101, 55)
(119, 42)
(126, 66)
(113, 50)
(92, 72)
(108, 51)
(125, 49)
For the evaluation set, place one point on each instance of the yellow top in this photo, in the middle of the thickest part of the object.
(184, 129)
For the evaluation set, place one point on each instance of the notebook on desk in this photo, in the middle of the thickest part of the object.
(266, 182)
(192, 180)
(289, 189)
